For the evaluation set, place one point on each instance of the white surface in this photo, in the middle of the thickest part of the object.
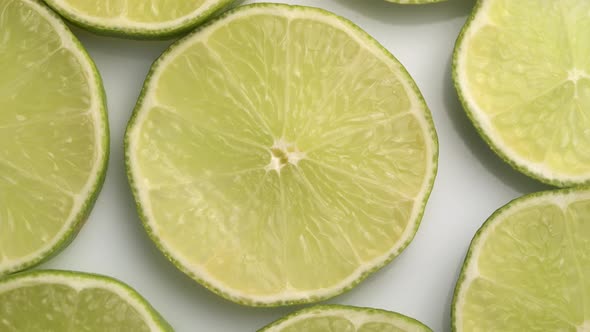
(472, 182)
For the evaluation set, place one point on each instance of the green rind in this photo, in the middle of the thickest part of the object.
(142, 34)
(313, 299)
(329, 307)
(493, 146)
(86, 208)
(489, 223)
(155, 315)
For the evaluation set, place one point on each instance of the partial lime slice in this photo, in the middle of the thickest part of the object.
(528, 268)
(138, 18)
(337, 318)
(523, 74)
(59, 301)
(280, 155)
(53, 134)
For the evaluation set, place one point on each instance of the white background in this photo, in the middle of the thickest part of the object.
(472, 182)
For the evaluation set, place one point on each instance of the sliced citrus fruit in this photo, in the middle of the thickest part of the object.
(138, 18)
(53, 134)
(73, 301)
(279, 155)
(528, 267)
(338, 318)
(522, 72)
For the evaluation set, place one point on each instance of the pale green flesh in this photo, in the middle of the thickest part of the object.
(533, 270)
(527, 71)
(335, 318)
(338, 324)
(133, 10)
(47, 133)
(63, 301)
(203, 146)
(57, 307)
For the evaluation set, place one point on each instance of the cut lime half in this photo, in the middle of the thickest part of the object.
(279, 155)
(528, 267)
(53, 134)
(522, 70)
(60, 301)
(149, 19)
(338, 318)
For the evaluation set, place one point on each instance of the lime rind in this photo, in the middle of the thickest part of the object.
(531, 169)
(201, 276)
(137, 30)
(89, 194)
(84, 280)
(357, 315)
(468, 272)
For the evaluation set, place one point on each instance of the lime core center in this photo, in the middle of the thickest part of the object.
(283, 154)
(575, 75)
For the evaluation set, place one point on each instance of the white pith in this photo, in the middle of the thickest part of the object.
(357, 316)
(80, 199)
(479, 21)
(289, 294)
(471, 270)
(126, 23)
(80, 283)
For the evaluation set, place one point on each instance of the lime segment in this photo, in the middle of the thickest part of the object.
(521, 69)
(53, 134)
(527, 268)
(276, 140)
(69, 301)
(138, 18)
(336, 318)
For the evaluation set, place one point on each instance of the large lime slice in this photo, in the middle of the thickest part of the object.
(280, 155)
(138, 18)
(522, 72)
(53, 134)
(337, 318)
(528, 268)
(60, 301)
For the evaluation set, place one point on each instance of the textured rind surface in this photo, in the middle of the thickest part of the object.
(88, 204)
(480, 237)
(327, 310)
(80, 277)
(247, 300)
(155, 33)
(556, 181)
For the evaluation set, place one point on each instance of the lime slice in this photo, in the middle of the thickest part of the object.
(280, 155)
(73, 301)
(522, 72)
(528, 267)
(138, 18)
(337, 318)
(53, 134)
